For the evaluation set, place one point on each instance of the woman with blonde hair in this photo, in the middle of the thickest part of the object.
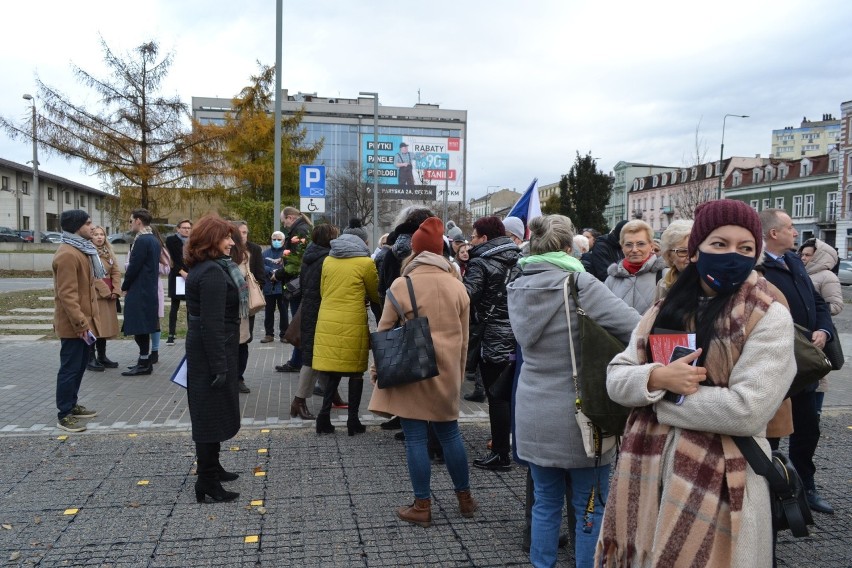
(109, 290)
(673, 245)
(634, 279)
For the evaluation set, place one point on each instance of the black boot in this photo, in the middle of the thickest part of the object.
(106, 362)
(100, 355)
(353, 423)
(154, 357)
(143, 367)
(93, 364)
(324, 425)
(208, 473)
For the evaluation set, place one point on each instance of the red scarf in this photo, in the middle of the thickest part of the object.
(634, 267)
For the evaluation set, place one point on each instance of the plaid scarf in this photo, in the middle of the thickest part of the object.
(693, 517)
(242, 286)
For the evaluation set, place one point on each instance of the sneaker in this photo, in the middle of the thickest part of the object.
(267, 339)
(494, 462)
(170, 340)
(287, 368)
(81, 411)
(243, 388)
(70, 424)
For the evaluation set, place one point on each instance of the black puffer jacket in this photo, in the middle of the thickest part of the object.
(485, 280)
(309, 282)
(389, 265)
(607, 251)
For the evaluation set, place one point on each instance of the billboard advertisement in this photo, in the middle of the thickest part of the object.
(415, 167)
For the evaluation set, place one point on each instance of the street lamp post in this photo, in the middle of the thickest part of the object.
(375, 164)
(722, 152)
(36, 191)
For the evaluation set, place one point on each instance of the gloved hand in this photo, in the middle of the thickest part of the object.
(218, 380)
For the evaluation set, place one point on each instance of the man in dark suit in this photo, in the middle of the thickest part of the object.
(785, 270)
(174, 244)
(141, 304)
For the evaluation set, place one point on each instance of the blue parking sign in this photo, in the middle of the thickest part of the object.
(311, 181)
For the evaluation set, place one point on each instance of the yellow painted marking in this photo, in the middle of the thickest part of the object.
(259, 473)
(132, 435)
(63, 438)
(262, 451)
(265, 431)
(256, 502)
(252, 538)
(142, 482)
(71, 511)
(234, 448)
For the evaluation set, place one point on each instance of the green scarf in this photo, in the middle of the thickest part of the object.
(239, 281)
(559, 258)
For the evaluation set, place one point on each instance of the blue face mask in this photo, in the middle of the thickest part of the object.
(725, 272)
(277, 244)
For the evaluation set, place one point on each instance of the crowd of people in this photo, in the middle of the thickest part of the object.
(499, 314)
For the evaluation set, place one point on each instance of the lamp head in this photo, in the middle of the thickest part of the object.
(28, 96)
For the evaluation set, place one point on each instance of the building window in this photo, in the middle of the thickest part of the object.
(50, 194)
(82, 201)
(737, 178)
(806, 168)
(635, 185)
(25, 221)
(694, 174)
(665, 179)
(809, 205)
(755, 175)
(655, 181)
(684, 176)
(782, 171)
(779, 203)
(832, 201)
(810, 147)
(708, 171)
(832, 164)
(98, 203)
(652, 203)
(768, 173)
(4, 183)
(765, 204)
(68, 197)
(25, 187)
(797, 206)
(755, 204)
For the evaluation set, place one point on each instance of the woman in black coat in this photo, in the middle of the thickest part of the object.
(216, 296)
(309, 286)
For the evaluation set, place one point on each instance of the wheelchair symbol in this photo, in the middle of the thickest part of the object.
(312, 206)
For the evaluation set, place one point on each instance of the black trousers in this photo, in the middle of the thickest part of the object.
(144, 343)
(276, 302)
(499, 411)
(804, 439)
(173, 314)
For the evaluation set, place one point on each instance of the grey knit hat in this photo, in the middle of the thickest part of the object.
(357, 231)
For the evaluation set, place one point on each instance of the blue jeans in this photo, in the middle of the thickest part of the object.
(417, 454)
(547, 512)
(73, 357)
(296, 357)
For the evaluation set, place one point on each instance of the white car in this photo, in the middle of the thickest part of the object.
(845, 272)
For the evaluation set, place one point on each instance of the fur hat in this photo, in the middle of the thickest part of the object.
(711, 215)
(429, 237)
(71, 221)
(515, 226)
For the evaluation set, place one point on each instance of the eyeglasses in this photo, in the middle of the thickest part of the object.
(639, 245)
(680, 253)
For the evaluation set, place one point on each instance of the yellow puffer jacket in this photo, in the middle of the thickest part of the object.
(342, 340)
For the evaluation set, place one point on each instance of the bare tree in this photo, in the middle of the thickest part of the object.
(352, 192)
(136, 138)
(697, 188)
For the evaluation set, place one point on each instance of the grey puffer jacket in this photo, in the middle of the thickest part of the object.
(484, 279)
(545, 433)
(636, 290)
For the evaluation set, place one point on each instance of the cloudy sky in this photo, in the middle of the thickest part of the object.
(540, 79)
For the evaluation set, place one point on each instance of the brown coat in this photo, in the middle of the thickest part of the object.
(443, 299)
(108, 323)
(74, 293)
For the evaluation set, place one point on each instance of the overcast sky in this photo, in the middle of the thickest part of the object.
(540, 79)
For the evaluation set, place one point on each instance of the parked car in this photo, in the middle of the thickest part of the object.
(845, 272)
(26, 235)
(7, 235)
(121, 238)
(51, 237)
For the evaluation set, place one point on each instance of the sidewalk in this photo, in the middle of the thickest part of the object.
(323, 500)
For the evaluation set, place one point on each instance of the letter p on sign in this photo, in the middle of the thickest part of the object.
(312, 181)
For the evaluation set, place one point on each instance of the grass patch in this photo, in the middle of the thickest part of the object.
(26, 273)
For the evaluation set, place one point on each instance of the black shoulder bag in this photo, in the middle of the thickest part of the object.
(790, 508)
(404, 354)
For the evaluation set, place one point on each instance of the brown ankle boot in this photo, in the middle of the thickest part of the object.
(467, 505)
(418, 513)
(300, 409)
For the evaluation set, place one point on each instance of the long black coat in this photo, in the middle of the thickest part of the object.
(485, 280)
(141, 304)
(807, 307)
(309, 282)
(175, 247)
(212, 345)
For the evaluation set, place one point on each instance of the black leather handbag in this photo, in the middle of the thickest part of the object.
(790, 508)
(834, 351)
(404, 354)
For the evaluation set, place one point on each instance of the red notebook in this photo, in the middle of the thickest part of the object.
(662, 345)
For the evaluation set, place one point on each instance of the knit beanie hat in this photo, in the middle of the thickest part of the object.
(359, 232)
(71, 221)
(711, 215)
(455, 234)
(429, 237)
(514, 226)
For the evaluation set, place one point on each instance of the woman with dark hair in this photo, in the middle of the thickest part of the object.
(680, 474)
(216, 299)
(492, 265)
(309, 284)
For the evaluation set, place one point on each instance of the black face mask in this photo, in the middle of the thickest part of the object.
(725, 272)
